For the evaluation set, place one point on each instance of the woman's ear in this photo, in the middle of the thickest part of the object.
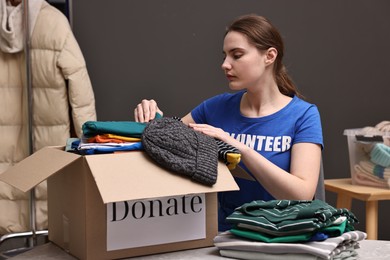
(271, 55)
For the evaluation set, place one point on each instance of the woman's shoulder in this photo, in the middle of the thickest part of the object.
(299, 102)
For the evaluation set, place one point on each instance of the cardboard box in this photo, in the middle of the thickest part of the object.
(81, 187)
(360, 143)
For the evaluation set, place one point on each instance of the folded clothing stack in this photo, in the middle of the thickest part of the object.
(110, 136)
(168, 141)
(271, 228)
(340, 247)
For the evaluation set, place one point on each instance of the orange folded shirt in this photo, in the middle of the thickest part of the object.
(112, 138)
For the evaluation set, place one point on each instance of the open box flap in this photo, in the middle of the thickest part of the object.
(239, 172)
(133, 175)
(36, 168)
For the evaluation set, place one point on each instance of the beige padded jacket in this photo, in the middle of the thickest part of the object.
(62, 96)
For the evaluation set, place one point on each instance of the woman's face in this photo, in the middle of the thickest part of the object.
(244, 64)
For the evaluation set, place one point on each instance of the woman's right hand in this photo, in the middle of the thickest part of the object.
(146, 111)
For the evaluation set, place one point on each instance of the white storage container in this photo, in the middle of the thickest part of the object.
(364, 172)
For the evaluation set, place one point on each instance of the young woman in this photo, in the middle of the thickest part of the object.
(278, 134)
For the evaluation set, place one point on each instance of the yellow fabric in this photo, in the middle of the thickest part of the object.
(111, 138)
(233, 159)
(124, 138)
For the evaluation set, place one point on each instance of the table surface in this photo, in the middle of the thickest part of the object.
(369, 250)
(364, 193)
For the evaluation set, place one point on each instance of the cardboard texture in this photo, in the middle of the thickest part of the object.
(79, 187)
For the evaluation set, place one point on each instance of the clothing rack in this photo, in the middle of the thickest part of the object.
(27, 95)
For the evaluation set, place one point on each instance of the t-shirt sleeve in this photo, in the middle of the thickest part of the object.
(198, 113)
(309, 128)
(205, 112)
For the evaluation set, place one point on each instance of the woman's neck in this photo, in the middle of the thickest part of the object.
(263, 102)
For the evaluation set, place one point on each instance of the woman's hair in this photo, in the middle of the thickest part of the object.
(260, 32)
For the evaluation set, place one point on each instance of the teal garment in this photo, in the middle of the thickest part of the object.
(287, 215)
(336, 230)
(123, 128)
(271, 239)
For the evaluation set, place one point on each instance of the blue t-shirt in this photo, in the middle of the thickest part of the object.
(271, 136)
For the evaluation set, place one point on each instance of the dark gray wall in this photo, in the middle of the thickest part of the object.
(171, 50)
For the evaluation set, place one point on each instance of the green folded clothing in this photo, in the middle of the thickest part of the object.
(123, 128)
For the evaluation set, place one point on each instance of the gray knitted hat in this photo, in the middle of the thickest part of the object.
(177, 147)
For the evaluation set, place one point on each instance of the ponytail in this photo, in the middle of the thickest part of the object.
(285, 83)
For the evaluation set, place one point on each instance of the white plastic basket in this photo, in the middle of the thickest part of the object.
(360, 144)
